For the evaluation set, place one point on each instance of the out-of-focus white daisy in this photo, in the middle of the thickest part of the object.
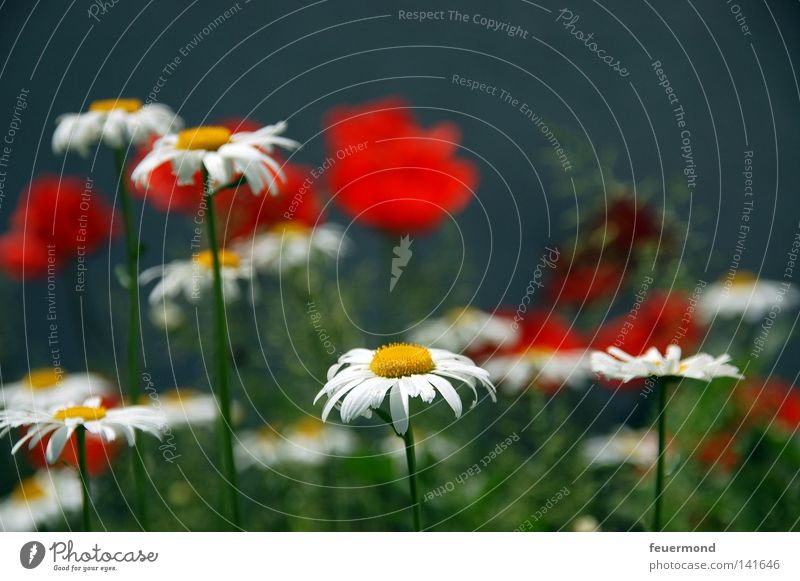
(309, 441)
(291, 244)
(746, 296)
(585, 524)
(616, 364)
(435, 448)
(193, 278)
(468, 329)
(625, 446)
(182, 407)
(224, 155)
(118, 123)
(547, 368)
(47, 388)
(362, 377)
(107, 424)
(43, 499)
(167, 315)
(260, 448)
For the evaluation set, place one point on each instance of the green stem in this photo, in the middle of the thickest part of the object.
(134, 339)
(84, 476)
(411, 459)
(221, 357)
(662, 436)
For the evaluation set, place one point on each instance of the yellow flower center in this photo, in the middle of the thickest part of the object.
(310, 427)
(27, 490)
(87, 414)
(266, 433)
(178, 395)
(46, 378)
(209, 138)
(227, 259)
(461, 314)
(290, 227)
(539, 354)
(744, 278)
(127, 105)
(401, 360)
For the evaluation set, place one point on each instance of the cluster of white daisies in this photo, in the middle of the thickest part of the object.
(223, 156)
(46, 404)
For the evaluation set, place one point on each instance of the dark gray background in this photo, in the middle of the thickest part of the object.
(275, 60)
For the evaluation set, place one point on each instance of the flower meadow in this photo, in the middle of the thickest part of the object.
(307, 351)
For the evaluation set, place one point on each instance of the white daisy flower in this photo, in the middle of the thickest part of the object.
(62, 422)
(585, 524)
(47, 388)
(260, 448)
(167, 315)
(466, 328)
(192, 278)
(616, 364)
(118, 123)
(746, 296)
(436, 448)
(547, 368)
(291, 244)
(43, 499)
(224, 155)
(309, 441)
(625, 446)
(362, 377)
(183, 407)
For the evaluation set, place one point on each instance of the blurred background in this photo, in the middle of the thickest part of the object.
(683, 98)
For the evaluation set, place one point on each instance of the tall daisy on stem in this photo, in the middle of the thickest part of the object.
(359, 381)
(223, 159)
(61, 423)
(120, 124)
(662, 371)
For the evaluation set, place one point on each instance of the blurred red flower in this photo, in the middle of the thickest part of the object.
(390, 173)
(543, 330)
(719, 450)
(625, 225)
(770, 402)
(586, 280)
(608, 248)
(99, 454)
(59, 219)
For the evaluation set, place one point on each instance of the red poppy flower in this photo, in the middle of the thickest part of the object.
(546, 331)
(586, 280)
(719, 450)
(625, 224)
(773, 402)
(99, 454)
(163, 191)
(390, 173)
(59, 219)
